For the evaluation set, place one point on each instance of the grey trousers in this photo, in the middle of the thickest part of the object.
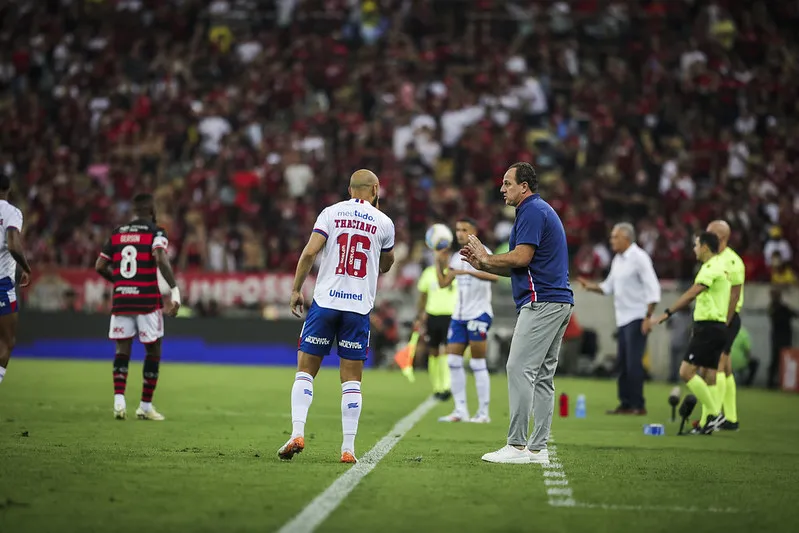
(531, 369)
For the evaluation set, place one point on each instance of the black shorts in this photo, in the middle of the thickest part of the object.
(707, 342)
(437, 329)
(732, 330)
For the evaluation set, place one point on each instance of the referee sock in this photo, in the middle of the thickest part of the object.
(721, 389)
(715, 407)
(731, 400)
(458, 376)
(432, 370)
(702, 392)
(444, 374)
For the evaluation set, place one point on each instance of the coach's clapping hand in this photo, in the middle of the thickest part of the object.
(297, 304)
(475, 253)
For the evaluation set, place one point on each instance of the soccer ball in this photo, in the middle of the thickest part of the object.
(438, 237)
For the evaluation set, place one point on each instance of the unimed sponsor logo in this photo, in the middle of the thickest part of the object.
(352, 345)
(318, 341)
(345, 295)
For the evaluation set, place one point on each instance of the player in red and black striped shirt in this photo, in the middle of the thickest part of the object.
(130, 260)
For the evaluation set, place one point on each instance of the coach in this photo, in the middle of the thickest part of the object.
(538, 265)
(635, 288)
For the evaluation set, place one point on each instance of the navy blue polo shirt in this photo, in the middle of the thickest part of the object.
(546, 278)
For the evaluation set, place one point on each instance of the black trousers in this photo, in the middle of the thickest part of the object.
(631, 348)
(778, 343)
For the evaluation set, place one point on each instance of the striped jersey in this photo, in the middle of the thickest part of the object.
(130, 250)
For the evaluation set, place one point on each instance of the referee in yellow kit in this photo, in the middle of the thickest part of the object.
(711, 289)
(725, 379)
(434, 310)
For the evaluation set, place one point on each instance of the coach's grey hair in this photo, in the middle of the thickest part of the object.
(627, 228)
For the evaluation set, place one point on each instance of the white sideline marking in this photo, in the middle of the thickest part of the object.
(323, 505)
(563, 497)
(669, 508)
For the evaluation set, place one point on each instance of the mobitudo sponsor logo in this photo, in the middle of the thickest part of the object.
(316, 340)
(345, 295)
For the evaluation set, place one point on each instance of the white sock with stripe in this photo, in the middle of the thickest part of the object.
(482, 382)
(301, 398)
(458, 383)
(2, 373)
(351, 404)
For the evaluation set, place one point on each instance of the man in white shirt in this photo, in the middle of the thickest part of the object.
(636, 290)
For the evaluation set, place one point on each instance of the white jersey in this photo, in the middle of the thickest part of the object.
(357, 233)
(10, 217)
(474, 295)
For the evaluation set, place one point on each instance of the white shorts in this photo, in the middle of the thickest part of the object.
(150, 327)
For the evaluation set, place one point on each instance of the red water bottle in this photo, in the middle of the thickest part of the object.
(564, 404)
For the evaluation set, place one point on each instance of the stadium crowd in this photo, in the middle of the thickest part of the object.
(246, 117)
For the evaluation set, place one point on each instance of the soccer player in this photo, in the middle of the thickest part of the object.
(725, 379)
(356, 241)
(11, 255)
(711, 289)
(469, 325)
(130, 260)
(434, 311)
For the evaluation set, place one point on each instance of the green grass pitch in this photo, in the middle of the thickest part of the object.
(66, 465)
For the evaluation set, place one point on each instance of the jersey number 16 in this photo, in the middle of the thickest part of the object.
(351, 256)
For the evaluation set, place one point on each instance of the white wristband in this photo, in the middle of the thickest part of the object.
(176, 294)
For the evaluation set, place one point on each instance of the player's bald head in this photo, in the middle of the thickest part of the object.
(365, 186)
(363, 178)
(720, 229)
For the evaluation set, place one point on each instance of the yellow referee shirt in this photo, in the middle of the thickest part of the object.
(736, 271)
(440, 302)
(712, 304)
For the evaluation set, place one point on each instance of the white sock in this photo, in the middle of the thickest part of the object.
(301, 398)
(351, 404)
(483, 383)
(2, 373)
(458, 382)
(119, 401)
(145, 406)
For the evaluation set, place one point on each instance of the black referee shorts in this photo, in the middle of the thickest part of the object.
(708, 340)
(437, 329)
(732, 330)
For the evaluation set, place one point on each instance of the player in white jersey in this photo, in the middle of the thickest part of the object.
(469, 325)
(11, 255)
(356, 241)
